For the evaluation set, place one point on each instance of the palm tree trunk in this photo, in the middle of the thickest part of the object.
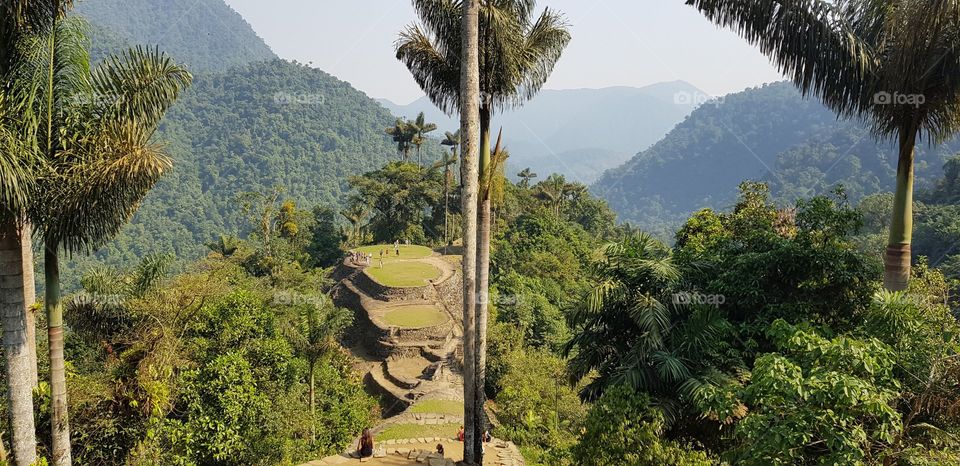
(29, 299)
(313, 405)
(896, 272)
(483, 270)
(446, 209)
(59, 419)
(15, 346)
(470, 129)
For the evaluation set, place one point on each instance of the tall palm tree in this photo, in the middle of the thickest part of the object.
(517, 54)
(468, 92)
(18, 19)
(447, 162)
(893, 63)
(100, 161)
(526, 175)
(421, 127)
(356, 213)
(322, 324)
(403, 134)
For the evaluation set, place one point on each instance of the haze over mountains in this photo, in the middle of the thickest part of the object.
(771, 134)
(581, 132)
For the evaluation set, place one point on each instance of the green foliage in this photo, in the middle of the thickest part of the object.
(399, 193)
(210, 367)
(624, 428)
(539, 411)
(821, 401)
(207, 36)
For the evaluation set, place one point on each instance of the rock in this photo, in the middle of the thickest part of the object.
(437, 462)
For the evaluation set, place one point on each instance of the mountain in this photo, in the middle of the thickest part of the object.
(580, 133)
(771, 134)
(254, 126)
(205, 35)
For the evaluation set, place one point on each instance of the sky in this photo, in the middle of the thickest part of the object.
(615, 43)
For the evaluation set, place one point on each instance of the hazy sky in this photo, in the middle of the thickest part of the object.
(615, 43)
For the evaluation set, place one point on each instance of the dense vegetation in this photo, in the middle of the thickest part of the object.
(251, 129)
(770, 133)
(206, 35)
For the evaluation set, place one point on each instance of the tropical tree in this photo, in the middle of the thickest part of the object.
(468, 92)
(518, 51)
(18, 154)
(356, 213)
(403, 134)
(893, 63)
(525, 176)
(421, 128)
(322, 324)
(99, 160)
(624, 321)
(447, 161)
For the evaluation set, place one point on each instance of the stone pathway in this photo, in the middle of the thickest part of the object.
(412, 370)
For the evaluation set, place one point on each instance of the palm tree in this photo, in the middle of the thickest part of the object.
(18, 154)
(421, 127)
(447, 161)
(625, 318)
(100, 161)
(403, 134)
(525, 176)
(468, 92)
(553, 191)
(322, 324)
(517, 54)
(893, 64)
(356, 213)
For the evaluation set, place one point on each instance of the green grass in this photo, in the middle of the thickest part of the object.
(402, 274)
(438, 406)
(415, 316)
(405, 431)
(406, 252)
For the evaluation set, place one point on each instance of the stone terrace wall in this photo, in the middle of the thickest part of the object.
(384, 293)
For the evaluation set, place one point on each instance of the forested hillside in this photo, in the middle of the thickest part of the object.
(203, 34)
(264, 125)
(250, 122)
(770, 134)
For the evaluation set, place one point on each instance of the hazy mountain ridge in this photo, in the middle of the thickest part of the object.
(580, 132)
(770, 133)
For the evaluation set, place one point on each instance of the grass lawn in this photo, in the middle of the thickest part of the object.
(415, 316)
(438, 406)
(405, 431)
(402, 274)
(406, 252)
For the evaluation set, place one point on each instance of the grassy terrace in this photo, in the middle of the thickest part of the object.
(415, 316)
(438, 406)
(402, 274)
(405, 431)
(406, 252)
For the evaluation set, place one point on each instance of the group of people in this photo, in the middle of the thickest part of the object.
(360, 258)
(366, 443)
